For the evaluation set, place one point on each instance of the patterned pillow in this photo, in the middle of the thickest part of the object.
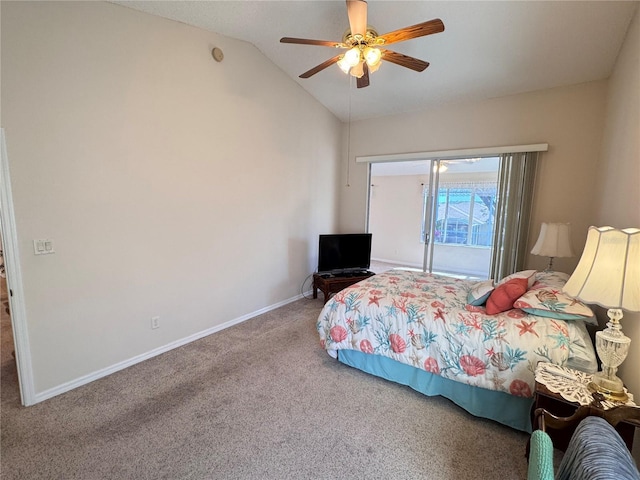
(553, 303)
(502, 298)
(530, 275)
(479, 293)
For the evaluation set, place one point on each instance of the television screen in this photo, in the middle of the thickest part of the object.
(342, 252)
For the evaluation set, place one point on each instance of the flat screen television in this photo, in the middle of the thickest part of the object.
(344, 252)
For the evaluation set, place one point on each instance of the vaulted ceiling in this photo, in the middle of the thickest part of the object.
(488, 49)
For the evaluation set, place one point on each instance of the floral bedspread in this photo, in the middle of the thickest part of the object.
(420, 319)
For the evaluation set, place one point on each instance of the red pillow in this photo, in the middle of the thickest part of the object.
(505, 294)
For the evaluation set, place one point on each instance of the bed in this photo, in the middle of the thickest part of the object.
(424, 331)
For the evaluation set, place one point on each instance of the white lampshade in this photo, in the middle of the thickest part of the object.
(372, 56)
(608, 273)
(554, 241)
(344, 66)
(352, 57)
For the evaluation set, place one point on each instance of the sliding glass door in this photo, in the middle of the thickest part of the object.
(435, 215)
(462, 216)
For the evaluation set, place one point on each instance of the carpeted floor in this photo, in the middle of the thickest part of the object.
(260, 400)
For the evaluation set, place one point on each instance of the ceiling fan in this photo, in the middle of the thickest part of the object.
(365, 48)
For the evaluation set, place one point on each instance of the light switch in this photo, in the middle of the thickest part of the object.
(43, 246)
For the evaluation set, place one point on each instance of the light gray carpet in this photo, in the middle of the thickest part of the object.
(260, 400)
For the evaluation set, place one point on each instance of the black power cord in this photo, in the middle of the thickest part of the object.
(302, 287)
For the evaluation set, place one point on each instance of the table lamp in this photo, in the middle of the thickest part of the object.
(608, 274)
(554, 241)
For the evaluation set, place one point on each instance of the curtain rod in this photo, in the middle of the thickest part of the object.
(449, 154)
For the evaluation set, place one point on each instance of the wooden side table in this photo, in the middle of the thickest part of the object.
(557, 405)
(334, 283)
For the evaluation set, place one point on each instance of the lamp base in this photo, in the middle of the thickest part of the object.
(608, 389)
(550, 266)
(612, 346)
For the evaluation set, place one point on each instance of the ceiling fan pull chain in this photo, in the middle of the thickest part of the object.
(349, 134)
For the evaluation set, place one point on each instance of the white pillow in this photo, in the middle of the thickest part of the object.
(530, 275)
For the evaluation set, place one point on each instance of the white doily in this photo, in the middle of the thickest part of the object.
(572, 385)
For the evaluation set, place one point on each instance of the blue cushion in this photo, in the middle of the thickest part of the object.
(540, 456)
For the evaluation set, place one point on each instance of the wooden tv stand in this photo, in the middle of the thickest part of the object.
(329, 284)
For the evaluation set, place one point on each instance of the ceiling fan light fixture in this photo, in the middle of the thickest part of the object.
(443, 167)
(352, 57)
(344, 66)
(358, 70)
(372, 56)
(375, 67)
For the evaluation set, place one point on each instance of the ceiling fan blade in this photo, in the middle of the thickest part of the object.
(322, 66)
(357, 12)
(419, 30)
(363, 81)
(404, 60)
(307, 41)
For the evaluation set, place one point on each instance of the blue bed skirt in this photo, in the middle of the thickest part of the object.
(499, 406)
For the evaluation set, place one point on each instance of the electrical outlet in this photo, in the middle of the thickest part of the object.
(155, 322)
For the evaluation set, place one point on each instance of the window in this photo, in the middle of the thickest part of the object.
(465, 213)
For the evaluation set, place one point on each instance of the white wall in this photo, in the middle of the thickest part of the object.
(569, 119)
(617, 187)
(172, 185)
(396, 217)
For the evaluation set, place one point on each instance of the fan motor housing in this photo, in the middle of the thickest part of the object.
(369, 39)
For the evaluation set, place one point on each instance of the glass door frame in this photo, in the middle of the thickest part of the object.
(435, 213)
(430, 215)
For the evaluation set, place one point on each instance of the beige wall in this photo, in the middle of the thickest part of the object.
(172, 185)
(617, 188)
(396, 217)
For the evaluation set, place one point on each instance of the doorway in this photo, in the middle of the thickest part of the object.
(18, 373)
(435, 215)
(7, 349)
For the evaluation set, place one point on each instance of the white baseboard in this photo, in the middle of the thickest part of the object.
(78, 382)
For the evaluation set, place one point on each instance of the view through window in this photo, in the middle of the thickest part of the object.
(465, 213)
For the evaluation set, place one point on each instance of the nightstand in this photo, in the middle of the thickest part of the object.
(563, 393)
(329, 284)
